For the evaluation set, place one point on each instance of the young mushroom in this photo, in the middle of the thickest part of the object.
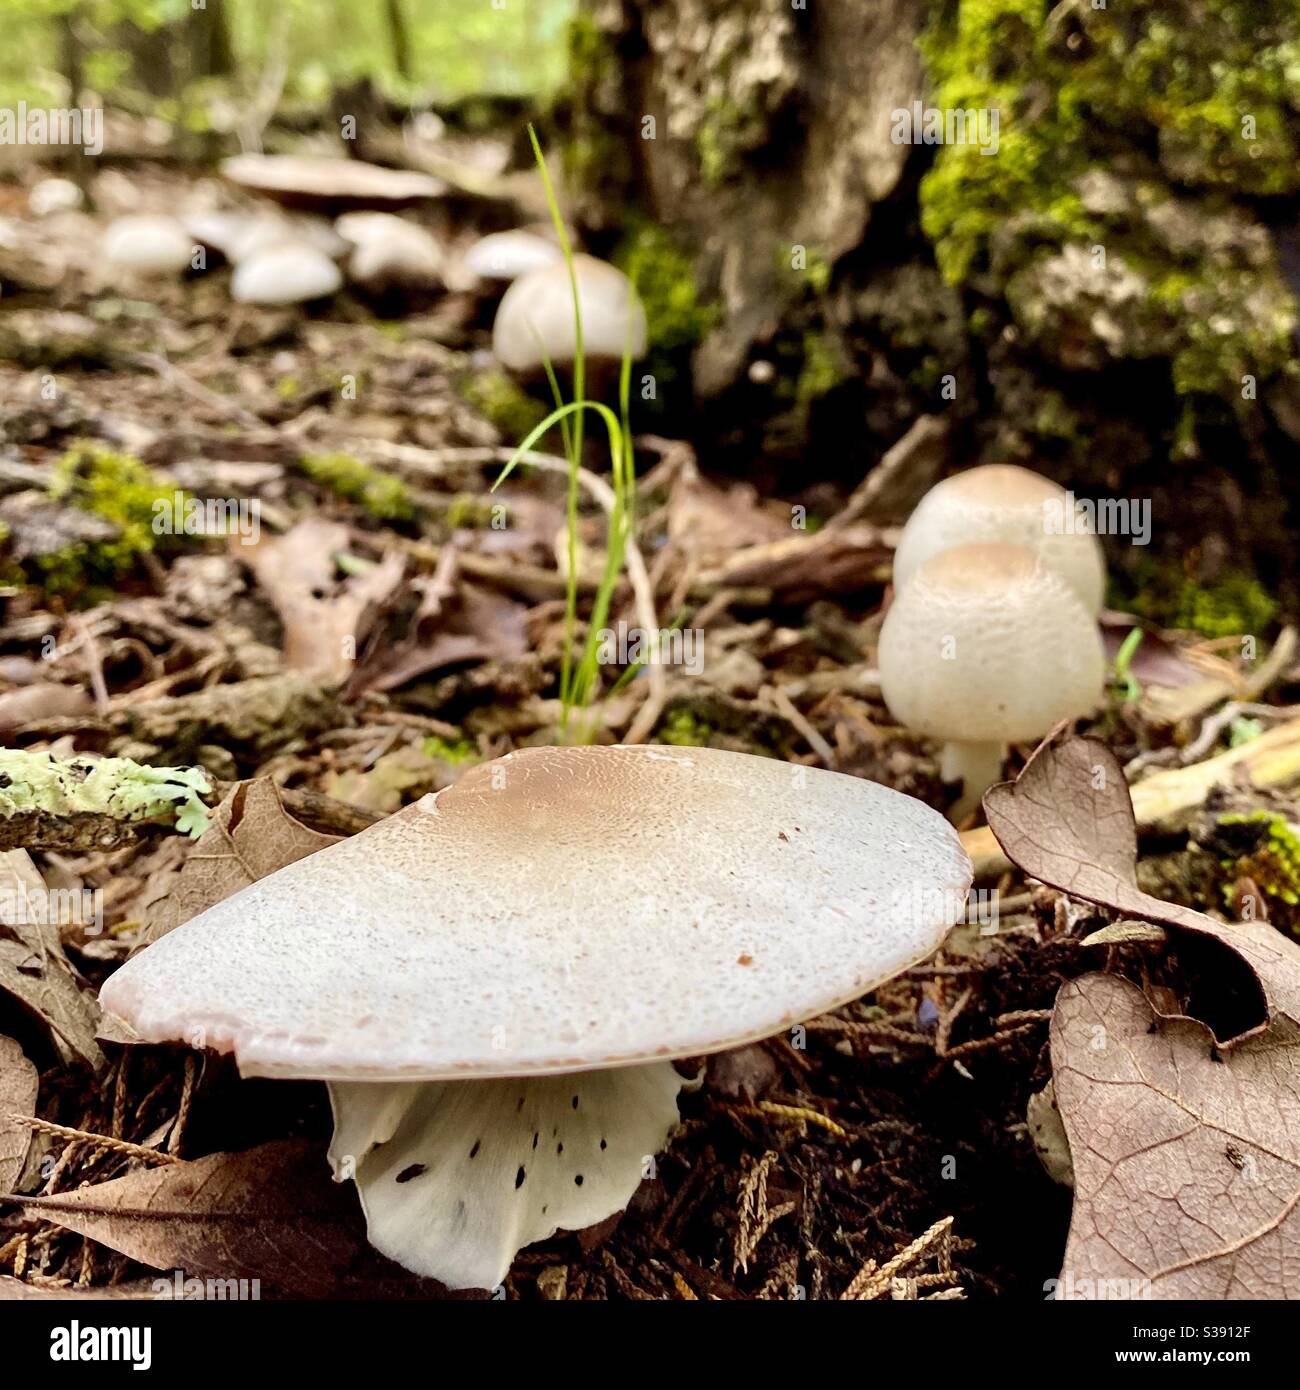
(1003, 504)
(496, 980)
(508, 255)
(535, 321)
(390, 253)
(284, 272)
(148, 244)
(984, 647)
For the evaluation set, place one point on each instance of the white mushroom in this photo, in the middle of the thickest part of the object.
(1007, 505)
(495, 980)
(285, 273)
(508, 255)
(535, 320)
(988, 646)
(147, 244)
(240, 235)
(390, 252)
(53, 195)
(322, 181)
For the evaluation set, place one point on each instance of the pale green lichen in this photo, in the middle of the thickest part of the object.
(116, 787)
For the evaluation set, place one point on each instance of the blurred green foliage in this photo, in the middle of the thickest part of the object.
(455, 50)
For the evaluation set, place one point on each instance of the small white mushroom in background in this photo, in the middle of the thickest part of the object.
(241, 235)
(390, 253)
(314, 181)
(495, 981)
(53, 195)
(148, 244)
(535, 321)
(987, 646)
(292, 272)
(508, 255)
(1004, 504)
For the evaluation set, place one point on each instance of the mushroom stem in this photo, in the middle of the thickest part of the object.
(456, 1176)
(976, 766)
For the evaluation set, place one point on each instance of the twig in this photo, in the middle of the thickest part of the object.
(96, 1141)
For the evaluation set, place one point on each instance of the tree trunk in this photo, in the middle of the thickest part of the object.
(754, 129)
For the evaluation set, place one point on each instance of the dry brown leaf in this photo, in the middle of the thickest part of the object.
(1186, 1160)
(1068, 821)
(18, 1084)
(33, 967)
(322, 619)
(271, 1213)
(250, 835)
(46, 700)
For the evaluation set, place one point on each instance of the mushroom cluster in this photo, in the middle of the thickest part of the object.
(284, 251)
(497, 980)
(992, 635)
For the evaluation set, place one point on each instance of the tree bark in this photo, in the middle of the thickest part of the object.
(752, 128)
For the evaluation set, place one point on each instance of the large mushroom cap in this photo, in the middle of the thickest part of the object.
(1003, 504)
(311, 181)
(987, 644)
(557, 910)
(534, 320)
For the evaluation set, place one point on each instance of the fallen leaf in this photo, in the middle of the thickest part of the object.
(1156, 661)
(455, 622)
(271, 1213)
(46, 700)
(709, 523)
(322, 620)
(1068, 821)
(1186, 1160)
(33, 967)
(251, 835)
(18, 1083)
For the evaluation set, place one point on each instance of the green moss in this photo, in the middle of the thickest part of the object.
(719, 139)
(383, 496)
(683, 729)
(1234, 604)
(1272, 863)
(676, 315)
(821, 372)
(455, 751)
(502, 403)
(1164, 91)
(593, 157)
(121, 490)
(469, 511)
